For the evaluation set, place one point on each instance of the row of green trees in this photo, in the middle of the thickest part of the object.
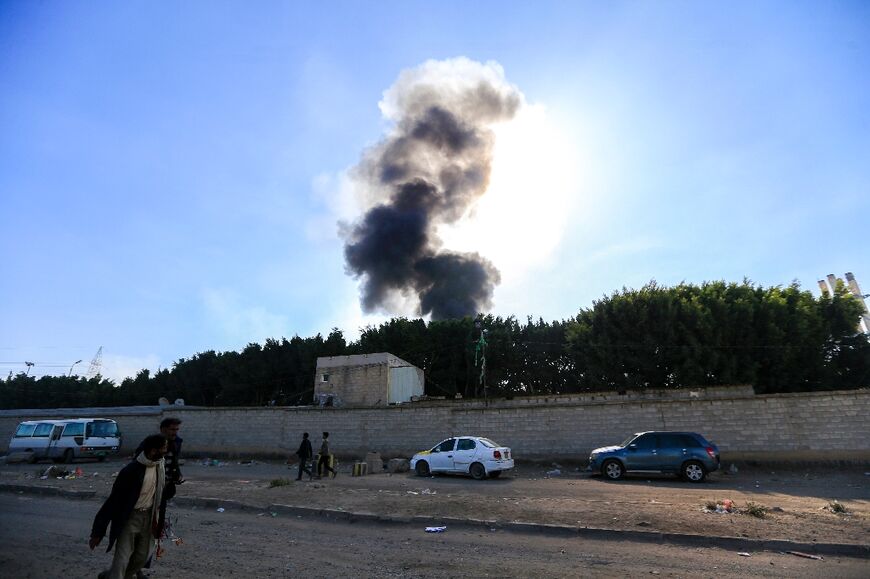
(778, 339)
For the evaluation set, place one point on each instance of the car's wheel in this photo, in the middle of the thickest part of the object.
(495, 474)
(68, 456)
(612, 469)
(422, 468)
(693, 471)
(477, 471)
(33, 458)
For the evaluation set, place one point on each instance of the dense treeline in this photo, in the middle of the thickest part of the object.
(777, 339)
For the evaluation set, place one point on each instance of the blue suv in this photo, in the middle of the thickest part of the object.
(686, 454)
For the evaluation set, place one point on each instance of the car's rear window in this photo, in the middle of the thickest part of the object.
(489, 443)
(24, 430)
(465, 444)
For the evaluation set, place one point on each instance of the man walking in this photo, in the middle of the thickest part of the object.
(324, 461)
(135, 510)
(169, 428)
(305, 453)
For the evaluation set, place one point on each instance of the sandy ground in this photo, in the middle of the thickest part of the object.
(46, 537)
(798, 498)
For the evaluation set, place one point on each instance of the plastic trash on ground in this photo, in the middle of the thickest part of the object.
(435, 529)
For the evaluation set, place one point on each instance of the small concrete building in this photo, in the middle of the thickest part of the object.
(366, 380)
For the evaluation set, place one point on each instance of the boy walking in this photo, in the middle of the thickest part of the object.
(324, 457)
(305, 453)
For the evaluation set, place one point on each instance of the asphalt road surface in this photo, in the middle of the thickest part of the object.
(47, 537)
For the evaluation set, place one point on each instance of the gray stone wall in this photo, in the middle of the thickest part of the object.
(802, 426)
(364, 385)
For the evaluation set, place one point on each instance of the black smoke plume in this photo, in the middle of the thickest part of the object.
(427, 172)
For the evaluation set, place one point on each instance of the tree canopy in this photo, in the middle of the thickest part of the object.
(778, 339)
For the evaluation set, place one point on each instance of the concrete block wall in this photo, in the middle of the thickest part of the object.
(363, 385)
(783, 427)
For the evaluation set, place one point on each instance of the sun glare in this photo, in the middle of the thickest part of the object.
(518, 223)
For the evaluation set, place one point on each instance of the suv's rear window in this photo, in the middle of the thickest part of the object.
(24, 430)
(690, 441)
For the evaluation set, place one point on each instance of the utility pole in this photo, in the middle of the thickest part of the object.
(480, 348)
(73, 366)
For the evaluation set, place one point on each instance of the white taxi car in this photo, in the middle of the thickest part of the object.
(474, 455)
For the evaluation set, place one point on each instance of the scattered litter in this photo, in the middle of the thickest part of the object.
(643, 524)
(744, 554)
(54, 471)
(274, 514)
(554, 472)
(413, 493)
(435, 529)
(836, 506)
(79, 471)
(725, 506)
(95, 475)
(732, 469)
(428, 492)
(806, 555)
(220, 509)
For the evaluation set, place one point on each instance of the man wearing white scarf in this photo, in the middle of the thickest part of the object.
(134, 511)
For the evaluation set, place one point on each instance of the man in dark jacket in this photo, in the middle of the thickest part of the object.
(304, 453)
(169, 428)
(134, 509)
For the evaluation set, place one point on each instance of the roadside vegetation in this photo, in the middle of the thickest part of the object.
(778, 339)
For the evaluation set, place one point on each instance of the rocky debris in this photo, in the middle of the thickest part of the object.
(396, 465)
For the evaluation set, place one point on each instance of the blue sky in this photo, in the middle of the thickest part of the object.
(171, 174)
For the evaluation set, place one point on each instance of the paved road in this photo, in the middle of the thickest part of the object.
(46, 537)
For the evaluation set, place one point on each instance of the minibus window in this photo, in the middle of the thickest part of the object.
(102, 429)
(43, 430)
(24, 430)
(74, 429)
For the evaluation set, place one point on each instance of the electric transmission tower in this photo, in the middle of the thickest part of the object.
(96, 364)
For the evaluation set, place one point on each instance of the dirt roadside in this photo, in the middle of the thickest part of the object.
(798, 500)
(233, 544)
